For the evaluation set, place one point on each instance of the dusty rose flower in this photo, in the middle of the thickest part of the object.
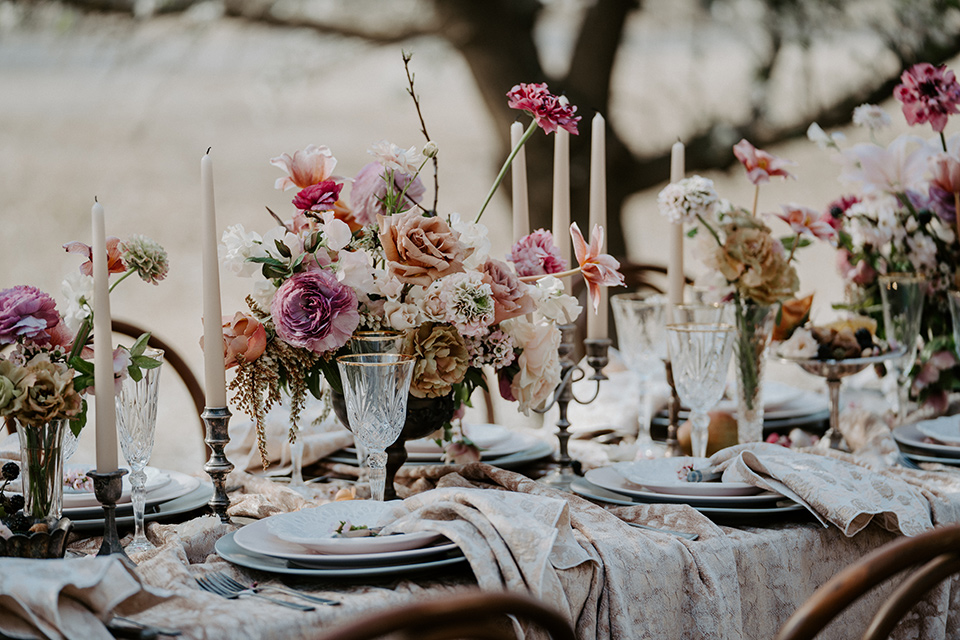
(598, 269)
(442, 359)
(460, 453)
(760, 165)
(244, 338)
(510, 296)
(306, 167)
(314, 311)
(370, 187)
(26, 312)
(539, 362)
(418, 249)
(755, 262)
(114, 259)
(48, 392)
(803, 220)
(548, 110)
(318, 197)
(536, 255)
(147, 257)
(929, 94)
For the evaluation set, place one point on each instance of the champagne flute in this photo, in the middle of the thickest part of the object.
(136, 424)
(700, 354)
(902, 295)
(376, 387)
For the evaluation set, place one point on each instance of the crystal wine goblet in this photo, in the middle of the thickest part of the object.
(640, 321)
(902, 295)
(376, 387)
(954, 299)
(136, 424)
(700, 354)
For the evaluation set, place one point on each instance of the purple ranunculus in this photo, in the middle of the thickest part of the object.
(314, 311)
(26, 312)
(536, 255)
(370, 187)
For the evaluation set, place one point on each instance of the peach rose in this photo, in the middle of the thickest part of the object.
(419, 249)
(244, 338)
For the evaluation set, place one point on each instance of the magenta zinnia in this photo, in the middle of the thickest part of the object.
(548, 110)
(929, 94)
(314, 311)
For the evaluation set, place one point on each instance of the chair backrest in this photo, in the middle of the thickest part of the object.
(938, 551)
(471, 616)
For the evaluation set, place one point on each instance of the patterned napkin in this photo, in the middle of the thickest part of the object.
(69, 598)
(835, 490)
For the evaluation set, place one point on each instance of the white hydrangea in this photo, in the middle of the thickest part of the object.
(922, 252)
(871, 116)
(684, 200)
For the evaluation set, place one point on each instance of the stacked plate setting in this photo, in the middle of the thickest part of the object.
(935, 440)
(664, 481)
(305, 543)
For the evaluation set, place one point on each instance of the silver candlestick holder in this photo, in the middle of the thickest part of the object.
(107, 487)
(216, 421)
(673, 413)
(570, 372)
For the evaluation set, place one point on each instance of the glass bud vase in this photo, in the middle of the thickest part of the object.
(41, 468)
(754, 330)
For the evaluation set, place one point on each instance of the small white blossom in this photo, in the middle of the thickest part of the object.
(801, 345)
(236, 245)
(824, 140)
(406, 161)
(871, 116)
(683, 201)
(473, 236)
(77, 289)
(553, 303)
(922, 252)
(430, 149)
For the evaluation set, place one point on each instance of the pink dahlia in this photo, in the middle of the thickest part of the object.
(26, 312)
(760, 165)
(929, 94)
(548, 110)
(318, 197)
(536, 255)
(314, 311)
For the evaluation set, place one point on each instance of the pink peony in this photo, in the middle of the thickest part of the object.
(929, 94)
(760, 165)
(244, 338)
(26, 312)
(305, 168)
(510, 296)
(314, 311)
(548, 110)
(318, 197)
(114, 259)
(598, 269)
(803, 220)
(370, 187)
(536, 255)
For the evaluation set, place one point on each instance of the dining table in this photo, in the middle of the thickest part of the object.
(682, 573)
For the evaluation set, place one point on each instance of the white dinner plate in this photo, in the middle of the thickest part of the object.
(663, 475)
(314, 528)
(78, 499)
(179, 484)
(951, 462)
(608, 478)
(512, 443)
(775, 395)
(587, 489)
(510, 461)
(256, 538)
(230, 551)
(188, 503)
(945, 429)
(484, 436)
(911, 436)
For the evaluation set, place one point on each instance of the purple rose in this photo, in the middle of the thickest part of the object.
(26, 312)
(314, 311)
(370, 187)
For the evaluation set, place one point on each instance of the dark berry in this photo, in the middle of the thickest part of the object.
(10, 471)
(823, 351)
(16, 502)
(864, 339)
(19, 523)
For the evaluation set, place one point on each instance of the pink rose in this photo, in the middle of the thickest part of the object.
(510, 297)
(314, 311)
(244, 338)
(418, 249)
(318, 197)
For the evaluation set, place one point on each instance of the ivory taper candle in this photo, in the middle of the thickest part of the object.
(521, 206)
(675, 278)
(106, 419)
(597, 323)
(561, 198)
(213, 365)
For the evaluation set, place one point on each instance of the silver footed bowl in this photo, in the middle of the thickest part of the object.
(836, 369)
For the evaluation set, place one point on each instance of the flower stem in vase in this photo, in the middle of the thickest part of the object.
(754, 329)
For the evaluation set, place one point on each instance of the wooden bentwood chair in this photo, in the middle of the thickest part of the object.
(469, 616)
(938, 551)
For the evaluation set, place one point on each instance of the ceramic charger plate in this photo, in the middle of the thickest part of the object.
(608, 478)
(911, 436)
(663, 475)
(80, 498)
(315, 528)
(945, 429)
(484, 436)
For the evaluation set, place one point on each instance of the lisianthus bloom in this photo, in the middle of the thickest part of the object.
(147, 257)
(682, 201)
(114, 259)
(804, 220)
(929, 94)
(318, 197)
(369, 189)
(418, 249)
(305, 168)
(548, 110)
(244, 339)
(26, 312)
(314, 311)
(760, 165)
(598, 269)
(397, 159)
(535, 254)
(871, 116)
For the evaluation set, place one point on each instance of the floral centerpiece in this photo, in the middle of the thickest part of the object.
(383, 259)
(46, 371)
(747, 265)
(901, 216)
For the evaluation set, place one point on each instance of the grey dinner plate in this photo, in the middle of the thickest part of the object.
(184, 504)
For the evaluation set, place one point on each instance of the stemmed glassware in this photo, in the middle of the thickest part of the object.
(954, 300)
(902, 295)
(136, 424)
(700, 354)
(640, 320)
(376, 387)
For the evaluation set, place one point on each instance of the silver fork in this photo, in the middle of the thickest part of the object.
(257, 588)
(231, 594)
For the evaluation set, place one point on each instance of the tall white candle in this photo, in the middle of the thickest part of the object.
(597, 323)
(106, 420)
(561, 198)
(521, 207)
(675, 266)
(213, 364)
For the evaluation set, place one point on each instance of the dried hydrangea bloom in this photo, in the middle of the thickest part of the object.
(147, 257)
(442, 359)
